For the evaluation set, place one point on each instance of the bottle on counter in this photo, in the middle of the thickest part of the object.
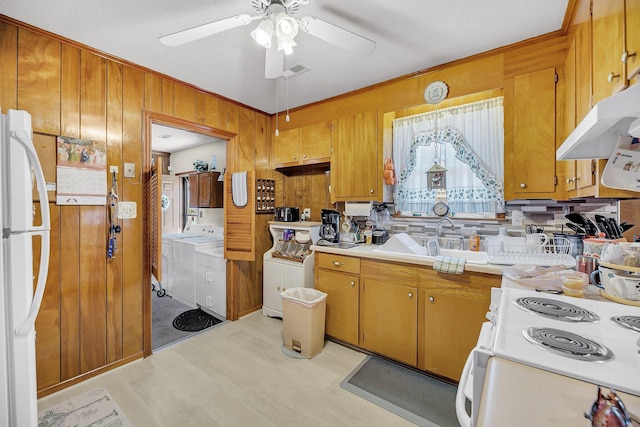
(474, 240)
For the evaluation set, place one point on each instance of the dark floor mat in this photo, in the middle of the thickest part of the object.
(194, 320)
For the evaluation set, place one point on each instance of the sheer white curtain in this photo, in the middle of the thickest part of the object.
(469, 142)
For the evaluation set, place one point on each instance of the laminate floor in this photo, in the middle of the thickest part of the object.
(237, 375)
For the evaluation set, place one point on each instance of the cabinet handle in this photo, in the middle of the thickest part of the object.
(612, 76)
(570, 180)
(304, 156)
(432, 299)
(352, 283)
(337, 264)
(523, 185)
(295, 157)
(626, 55)
(410, 294)
(371, 191)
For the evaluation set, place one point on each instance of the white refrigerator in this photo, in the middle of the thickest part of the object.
(19, 302)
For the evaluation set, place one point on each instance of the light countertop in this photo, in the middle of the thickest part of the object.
(369, 251)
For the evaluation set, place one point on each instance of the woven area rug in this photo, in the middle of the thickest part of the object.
(194, 320)
(94, 408)
(416, 397)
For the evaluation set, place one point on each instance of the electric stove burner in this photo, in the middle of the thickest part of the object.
(629, 322)
(567, 344)
(557, 309)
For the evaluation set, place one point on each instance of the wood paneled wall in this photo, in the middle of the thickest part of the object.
(93, 317)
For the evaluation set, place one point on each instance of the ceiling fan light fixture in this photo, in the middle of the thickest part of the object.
(263, 33)
(286, 27)
(286, 46)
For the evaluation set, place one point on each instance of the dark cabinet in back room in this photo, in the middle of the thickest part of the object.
(205, 191)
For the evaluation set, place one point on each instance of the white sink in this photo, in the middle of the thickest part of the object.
(470, 256)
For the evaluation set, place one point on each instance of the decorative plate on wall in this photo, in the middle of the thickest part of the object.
(435, 92)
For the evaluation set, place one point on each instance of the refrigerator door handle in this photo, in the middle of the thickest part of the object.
(24, 138)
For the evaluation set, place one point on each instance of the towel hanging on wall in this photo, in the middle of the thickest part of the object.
(239, 188)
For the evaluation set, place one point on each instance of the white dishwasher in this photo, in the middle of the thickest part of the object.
(211, 280)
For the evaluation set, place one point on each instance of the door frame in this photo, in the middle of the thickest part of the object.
(150, 118)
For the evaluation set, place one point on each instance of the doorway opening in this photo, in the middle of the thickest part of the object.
(171, 147)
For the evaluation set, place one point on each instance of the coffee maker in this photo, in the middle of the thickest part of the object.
(330, 228)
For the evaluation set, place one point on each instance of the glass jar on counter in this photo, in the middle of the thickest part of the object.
(631, 256)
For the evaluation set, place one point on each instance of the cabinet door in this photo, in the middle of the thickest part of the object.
(315, 143)
(272, 286)
(204, 190)
(342, 304)
(608, 45)
(451, 328)
(193, 191)
(355, 154)
(534, 119)
(632, 19)
(285, 148)
(389, 319)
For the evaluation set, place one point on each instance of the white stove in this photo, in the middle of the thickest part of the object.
(571, 336)
(590, 340)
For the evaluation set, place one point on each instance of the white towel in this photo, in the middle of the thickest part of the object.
(447, 264)
(239, 188)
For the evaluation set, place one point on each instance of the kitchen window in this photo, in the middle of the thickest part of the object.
(468, 141)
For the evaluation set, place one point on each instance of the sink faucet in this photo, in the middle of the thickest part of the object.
(453, 228)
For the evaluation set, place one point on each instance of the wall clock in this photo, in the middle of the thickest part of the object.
(441, 209)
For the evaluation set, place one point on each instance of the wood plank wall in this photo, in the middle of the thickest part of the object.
(92, 318)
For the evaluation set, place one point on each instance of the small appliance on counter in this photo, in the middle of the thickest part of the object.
(330, 228)
(286, 214)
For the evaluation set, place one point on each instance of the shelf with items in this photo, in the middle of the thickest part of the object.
(265, 196)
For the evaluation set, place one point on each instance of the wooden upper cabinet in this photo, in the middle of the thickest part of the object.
(315, 143)
(609, 74)
(355, 163)
(205, 191)
(632, 27)
(534, 119)
(285, 148)
(304, 146)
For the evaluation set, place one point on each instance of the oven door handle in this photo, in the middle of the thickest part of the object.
(461, 412)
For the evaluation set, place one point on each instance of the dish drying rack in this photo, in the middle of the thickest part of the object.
(555, 252)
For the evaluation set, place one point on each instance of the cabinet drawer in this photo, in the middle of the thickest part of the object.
(338, 263)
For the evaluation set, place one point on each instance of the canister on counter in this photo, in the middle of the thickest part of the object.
(586, 264)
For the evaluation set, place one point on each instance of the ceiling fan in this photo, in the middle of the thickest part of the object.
(276, 20)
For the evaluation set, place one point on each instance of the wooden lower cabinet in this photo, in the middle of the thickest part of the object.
(341, 319)
(449, 330)
(409, 313)
(389, 319)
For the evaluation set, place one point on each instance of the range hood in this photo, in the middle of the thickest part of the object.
(597, 134)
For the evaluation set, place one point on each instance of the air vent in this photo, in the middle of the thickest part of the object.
(295, 70)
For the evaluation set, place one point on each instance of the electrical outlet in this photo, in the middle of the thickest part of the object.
(559, 219)
(306, 213)
(113, 169)
(517, 217)
(129, 170)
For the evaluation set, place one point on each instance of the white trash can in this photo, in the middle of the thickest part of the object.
(303, 312)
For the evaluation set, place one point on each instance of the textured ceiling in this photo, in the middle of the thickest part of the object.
(411, 35)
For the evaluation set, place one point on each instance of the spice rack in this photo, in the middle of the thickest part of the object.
(265, 196)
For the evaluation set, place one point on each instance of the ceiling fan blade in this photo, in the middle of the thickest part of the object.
(205, 30)
(273, 63)
(339, 37)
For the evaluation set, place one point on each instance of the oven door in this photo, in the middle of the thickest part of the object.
(472, 378)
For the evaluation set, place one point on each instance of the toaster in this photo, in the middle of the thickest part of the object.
(286, 214)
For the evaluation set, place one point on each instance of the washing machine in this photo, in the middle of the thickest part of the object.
(184, 264)
(168, 255)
